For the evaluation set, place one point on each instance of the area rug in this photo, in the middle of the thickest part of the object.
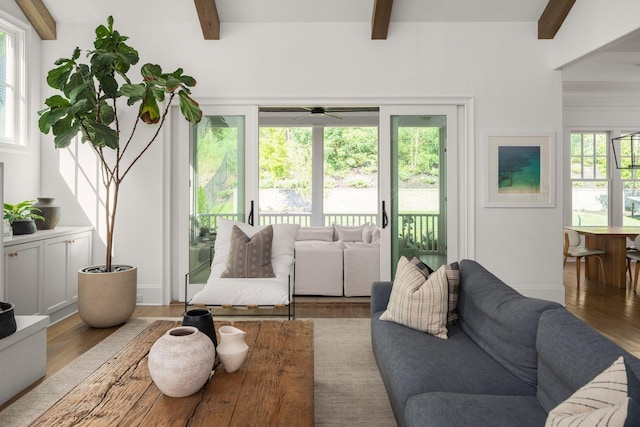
(348, 388)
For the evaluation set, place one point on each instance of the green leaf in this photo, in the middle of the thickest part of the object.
(43, 122)
(102, 31)
(107, 114)
(188, 80)
(151, 70)
(109, 85)
(57, 101)
(105, 136)
(149, 110)
(65, 130)
(133, 90)
(57, 77)
(172, 84)
(190, 109)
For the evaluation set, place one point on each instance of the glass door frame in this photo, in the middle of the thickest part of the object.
(449, 166)
(181, 135)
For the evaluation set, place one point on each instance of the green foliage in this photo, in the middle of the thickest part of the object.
(22, 210)
(89, 103)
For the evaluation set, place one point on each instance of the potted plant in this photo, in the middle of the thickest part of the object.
(93, 97)
(21, 216)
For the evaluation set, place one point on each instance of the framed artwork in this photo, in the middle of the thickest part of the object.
(520, 169)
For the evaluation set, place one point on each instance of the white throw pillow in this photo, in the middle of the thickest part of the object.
(282, 249)
(602, 401)
(418, 303)
(324, 234)
(349, 233)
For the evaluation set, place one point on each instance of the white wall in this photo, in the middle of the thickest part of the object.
(502, 65)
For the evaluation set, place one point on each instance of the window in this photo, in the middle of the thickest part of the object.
(589, 179)
(630, 186)
(12, 78)
(318, 175)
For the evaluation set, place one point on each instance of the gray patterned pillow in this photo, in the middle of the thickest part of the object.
(453, 280)
(250, 257)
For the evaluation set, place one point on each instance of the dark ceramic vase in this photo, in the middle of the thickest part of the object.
(23, 226)
(201, 319)
(49, 212)
(7, 319)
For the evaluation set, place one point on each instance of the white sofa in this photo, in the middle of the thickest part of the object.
(337, 260)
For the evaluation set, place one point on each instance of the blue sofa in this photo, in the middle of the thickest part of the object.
(507, 362)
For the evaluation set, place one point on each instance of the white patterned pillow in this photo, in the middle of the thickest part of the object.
(418, 303)
(605, 401)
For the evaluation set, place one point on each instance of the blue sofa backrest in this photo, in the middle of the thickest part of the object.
(503, 322)
(570, 354)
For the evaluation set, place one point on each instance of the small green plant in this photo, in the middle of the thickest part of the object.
(22, 210)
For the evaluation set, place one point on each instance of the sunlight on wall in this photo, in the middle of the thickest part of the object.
(80, 170)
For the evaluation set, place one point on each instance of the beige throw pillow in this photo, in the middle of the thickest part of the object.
(604, 401)
(250, 257)
(418, 303)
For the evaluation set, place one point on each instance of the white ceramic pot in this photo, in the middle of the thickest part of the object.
(180, 361)
(232, 349)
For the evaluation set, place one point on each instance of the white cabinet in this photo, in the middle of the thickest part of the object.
(63, 257)
(41, 270)
(23, 277)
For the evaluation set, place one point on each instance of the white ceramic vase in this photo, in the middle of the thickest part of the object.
(232, 349)
(180, 361)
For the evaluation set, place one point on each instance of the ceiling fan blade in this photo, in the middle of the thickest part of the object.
(332, 115)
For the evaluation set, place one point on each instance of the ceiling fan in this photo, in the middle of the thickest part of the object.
(318, 111)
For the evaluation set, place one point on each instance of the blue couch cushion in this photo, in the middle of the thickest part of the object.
(570, 354)
(455, 410)
(500, 320)
(413, 362)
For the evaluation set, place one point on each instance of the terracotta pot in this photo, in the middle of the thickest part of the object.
(107, 299)
(180, 361)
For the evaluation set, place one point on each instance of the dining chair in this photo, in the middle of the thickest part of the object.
(572, 248)
(633, 254)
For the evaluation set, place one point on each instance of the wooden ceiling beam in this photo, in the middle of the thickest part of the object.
(552, 18)
(209, 20)
(380, 19)
(39, 17)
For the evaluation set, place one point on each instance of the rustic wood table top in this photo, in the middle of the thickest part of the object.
(273, 387)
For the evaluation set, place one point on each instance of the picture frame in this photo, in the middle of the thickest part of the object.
(520, 169)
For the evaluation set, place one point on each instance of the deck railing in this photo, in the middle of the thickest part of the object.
(418, 230)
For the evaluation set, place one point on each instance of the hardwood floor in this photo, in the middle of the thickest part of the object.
(614, 312)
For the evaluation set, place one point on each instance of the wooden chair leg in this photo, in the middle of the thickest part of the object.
(564, 263)
(602, 274)
(578, 270)
(629, 269)
(635, 279)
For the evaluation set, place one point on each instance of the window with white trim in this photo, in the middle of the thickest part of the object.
(589, 179)
(12, 84)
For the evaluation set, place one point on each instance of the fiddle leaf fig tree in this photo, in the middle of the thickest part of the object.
(94, 94)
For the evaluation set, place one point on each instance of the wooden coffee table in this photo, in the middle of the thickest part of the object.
(274, 387)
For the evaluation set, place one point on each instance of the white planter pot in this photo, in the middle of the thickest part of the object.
(107, 299)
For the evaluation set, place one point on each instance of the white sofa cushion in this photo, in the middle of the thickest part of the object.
(323, 234)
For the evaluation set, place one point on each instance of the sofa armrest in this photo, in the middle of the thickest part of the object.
(380, 293)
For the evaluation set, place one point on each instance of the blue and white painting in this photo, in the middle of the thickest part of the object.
(519, 169)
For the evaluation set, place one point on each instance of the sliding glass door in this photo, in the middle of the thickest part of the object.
(415, 184)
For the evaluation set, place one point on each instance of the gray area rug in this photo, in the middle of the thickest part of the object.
(348, 387)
